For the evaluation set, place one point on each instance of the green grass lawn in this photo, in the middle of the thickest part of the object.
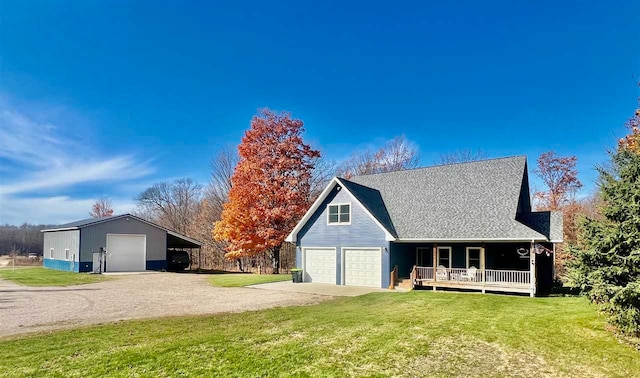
(245, 279)
(381, 334)
(39, 276)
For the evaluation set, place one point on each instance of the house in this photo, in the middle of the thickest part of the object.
(463, 226)
(128, 244)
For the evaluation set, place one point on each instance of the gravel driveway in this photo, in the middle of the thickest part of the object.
(27, 309)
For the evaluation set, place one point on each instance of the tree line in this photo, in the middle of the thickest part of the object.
(21, 240)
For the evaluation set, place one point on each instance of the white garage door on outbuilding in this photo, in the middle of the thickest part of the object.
(363, 266)
(320, 265)
(126, 253)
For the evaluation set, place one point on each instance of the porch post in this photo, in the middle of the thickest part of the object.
(435, 261)
(532, 270)
(553, 269)
(482, 267)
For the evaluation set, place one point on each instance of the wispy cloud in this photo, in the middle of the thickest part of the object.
(73, 173)
(26, 141)
(44, 161)
(53, 210)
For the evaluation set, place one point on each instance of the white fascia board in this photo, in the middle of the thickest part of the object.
(294, 233)
(59, 229)
(469, 240)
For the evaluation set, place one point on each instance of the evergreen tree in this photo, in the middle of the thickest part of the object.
(607, 256)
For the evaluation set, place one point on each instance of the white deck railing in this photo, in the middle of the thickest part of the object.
(472, 276)
(507, 276)
(424, 273)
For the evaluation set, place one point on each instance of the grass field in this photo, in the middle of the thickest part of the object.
(245, 279)
(381, 334)
(40, 276)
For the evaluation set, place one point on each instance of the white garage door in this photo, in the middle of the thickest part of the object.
(363, 267)
(320, 265)
(126, 253)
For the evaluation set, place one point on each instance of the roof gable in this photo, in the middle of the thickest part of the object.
(363, 193)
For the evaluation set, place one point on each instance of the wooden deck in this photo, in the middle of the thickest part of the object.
(513, 281)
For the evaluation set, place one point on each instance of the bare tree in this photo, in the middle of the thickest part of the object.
(101, 208)
(222, 165)
(398, 154)
(26, 237)
(209, 210)
(323, 171)
(462, 156)
(171, 204)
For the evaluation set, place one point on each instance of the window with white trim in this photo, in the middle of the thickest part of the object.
(66, 254)
(339, 213)
(50, 253)
(444, 256)
(473, 257)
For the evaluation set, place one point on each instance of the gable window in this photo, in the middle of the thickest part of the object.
(66, 254)
(444, 256)
(339, 213)
(473, 257)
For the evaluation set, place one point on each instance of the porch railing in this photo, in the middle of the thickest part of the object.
(471, 276)
(424, 273)
(508, 276)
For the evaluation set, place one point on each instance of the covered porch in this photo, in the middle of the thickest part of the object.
(515, 281)
(516, 267)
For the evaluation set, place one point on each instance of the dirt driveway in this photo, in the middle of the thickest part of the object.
(27, 309)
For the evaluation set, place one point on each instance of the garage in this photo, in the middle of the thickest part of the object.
(119, 243)
(362, 267)
(320, 265)
(126, 253)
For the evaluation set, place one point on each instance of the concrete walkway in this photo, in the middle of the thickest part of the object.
(319, 289)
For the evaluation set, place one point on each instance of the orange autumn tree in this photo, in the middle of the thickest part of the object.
(631, 142)
(560, 178)
(101, 208)
(270, 187)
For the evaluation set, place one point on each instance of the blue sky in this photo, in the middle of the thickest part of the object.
(106, 98)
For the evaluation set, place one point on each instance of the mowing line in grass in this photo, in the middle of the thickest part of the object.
(48, 277)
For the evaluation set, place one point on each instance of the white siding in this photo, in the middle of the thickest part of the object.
(59, 241)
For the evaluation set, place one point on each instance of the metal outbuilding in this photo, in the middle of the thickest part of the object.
(122, 243)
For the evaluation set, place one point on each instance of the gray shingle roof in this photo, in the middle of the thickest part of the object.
(474, 201)
(372, 201)
(548, 223)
